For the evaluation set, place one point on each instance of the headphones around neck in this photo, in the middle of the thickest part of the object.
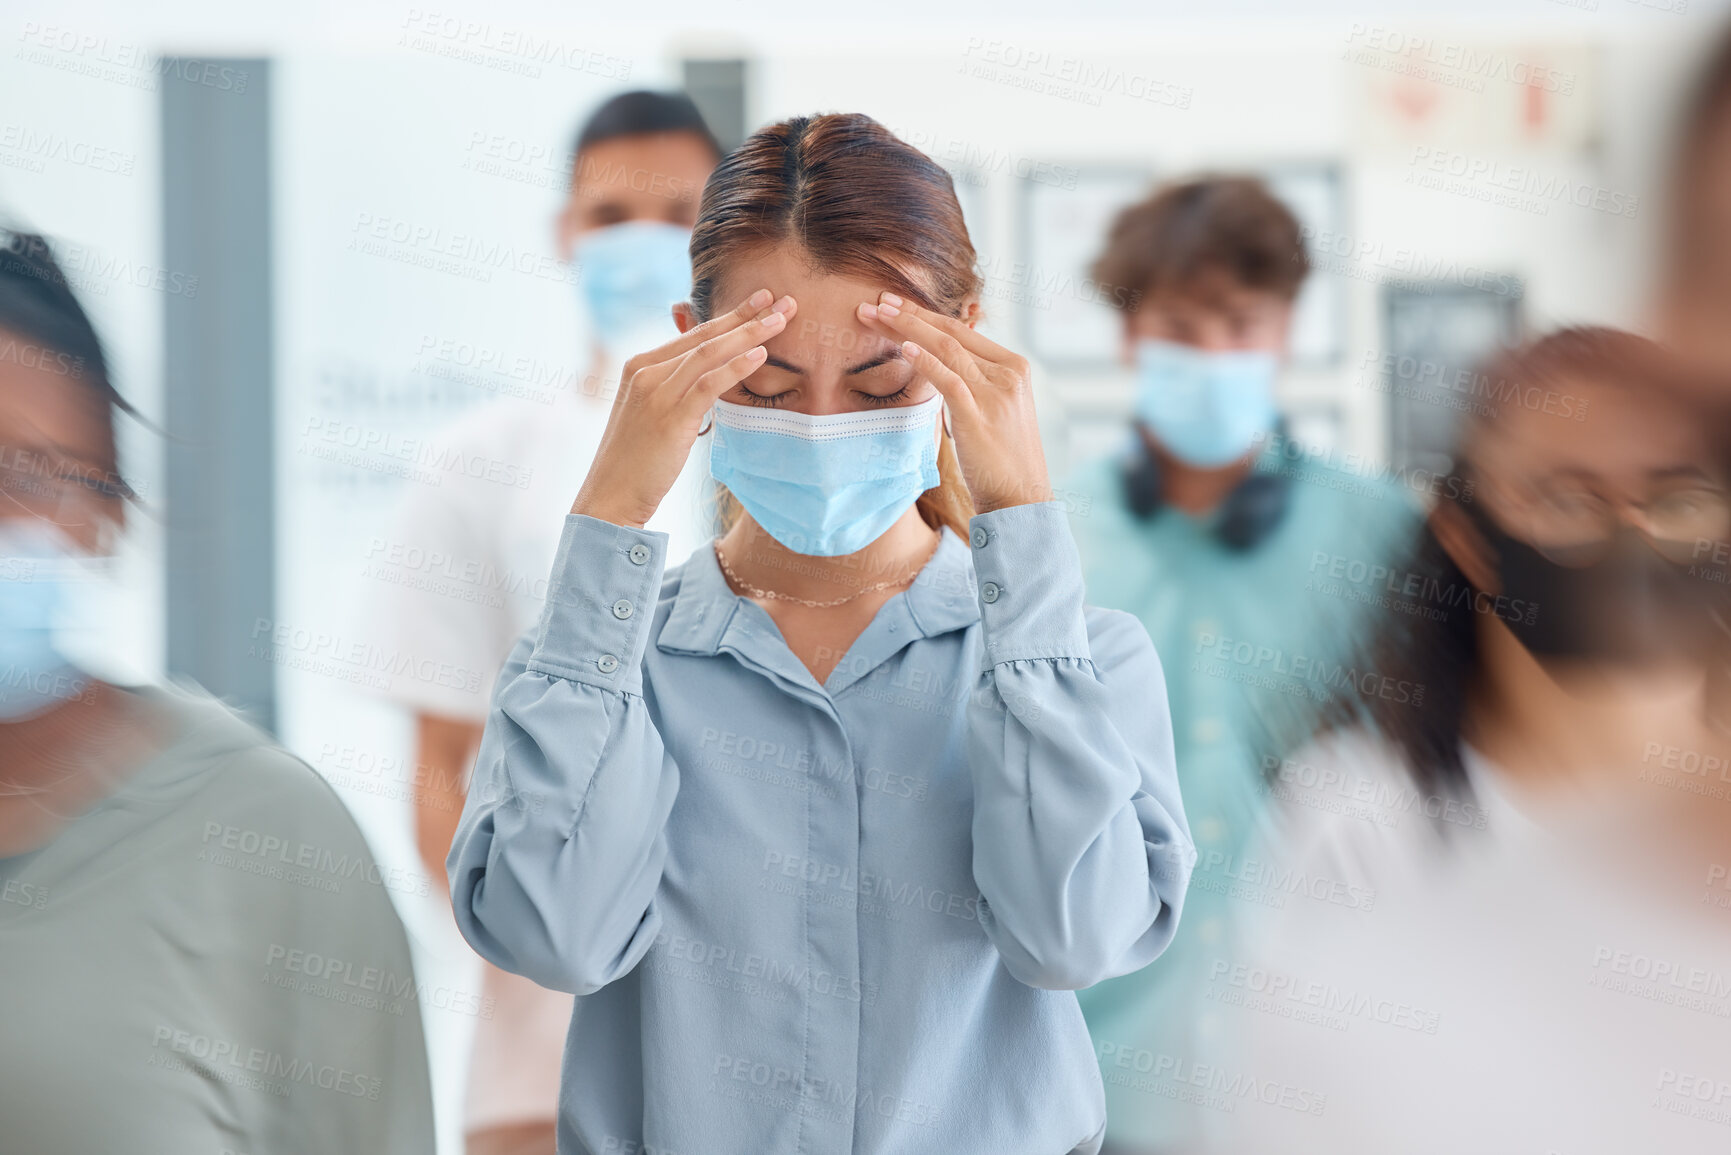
(1249, 514)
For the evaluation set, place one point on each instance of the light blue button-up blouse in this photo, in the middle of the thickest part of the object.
(838, 918)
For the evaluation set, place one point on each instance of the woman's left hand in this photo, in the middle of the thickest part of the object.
(990, 396)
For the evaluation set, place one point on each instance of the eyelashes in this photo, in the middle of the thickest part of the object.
(888, 398)
(776, 400)
(768, 401)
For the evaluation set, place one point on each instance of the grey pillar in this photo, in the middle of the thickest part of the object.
(216, 198)
(717, 87)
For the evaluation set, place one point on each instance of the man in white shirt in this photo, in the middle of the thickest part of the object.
(638, 169)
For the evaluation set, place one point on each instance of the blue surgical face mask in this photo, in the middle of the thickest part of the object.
(1207, 409)
(826, 485)
(630, 275)
(39, 573)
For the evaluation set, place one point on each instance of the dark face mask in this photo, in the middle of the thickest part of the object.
(1631, 606)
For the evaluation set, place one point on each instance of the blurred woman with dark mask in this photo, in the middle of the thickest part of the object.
(1569, 599)
(1525, 850)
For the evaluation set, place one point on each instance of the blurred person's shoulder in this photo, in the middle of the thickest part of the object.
(211, 739)
(1354, 492)
(234, 784)
(188, 907)
(239, 859)
(1092, 493)
(219, 832)
(1350, 801)
(1346, 802)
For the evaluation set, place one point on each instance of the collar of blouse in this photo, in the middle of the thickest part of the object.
(708, 617)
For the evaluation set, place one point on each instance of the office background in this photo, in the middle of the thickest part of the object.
(313, 243)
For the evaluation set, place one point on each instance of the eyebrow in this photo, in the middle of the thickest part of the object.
(1684, 472)
(1665, 473)
(893, 353)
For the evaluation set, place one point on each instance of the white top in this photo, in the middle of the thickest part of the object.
(1514, 986)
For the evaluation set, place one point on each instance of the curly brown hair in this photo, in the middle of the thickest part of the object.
(1204, 226)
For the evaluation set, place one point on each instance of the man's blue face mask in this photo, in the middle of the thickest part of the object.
(630, 275)
(826, 485)
(1207, 409)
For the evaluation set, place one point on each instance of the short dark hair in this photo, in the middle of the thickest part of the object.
(644, 113)
(1191, 228)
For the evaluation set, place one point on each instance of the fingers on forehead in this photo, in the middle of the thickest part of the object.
(964, 334)
(729, 342)
(755, 303)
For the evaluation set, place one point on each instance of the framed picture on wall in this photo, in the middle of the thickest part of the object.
(1313, 191)
(1067, 318)
(1434, 335)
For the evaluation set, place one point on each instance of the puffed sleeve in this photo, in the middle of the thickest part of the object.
(1081, 850)
(561, 844)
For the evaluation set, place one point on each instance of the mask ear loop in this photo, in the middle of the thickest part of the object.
(708, 425)
(944, 416)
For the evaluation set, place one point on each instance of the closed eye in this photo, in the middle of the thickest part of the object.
(885, 399)
(769, 400)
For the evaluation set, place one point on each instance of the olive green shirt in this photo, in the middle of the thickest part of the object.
(208, 961)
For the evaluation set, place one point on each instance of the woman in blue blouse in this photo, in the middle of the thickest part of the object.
(826, 824)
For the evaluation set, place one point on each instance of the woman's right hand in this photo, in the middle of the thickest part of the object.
(663, 397)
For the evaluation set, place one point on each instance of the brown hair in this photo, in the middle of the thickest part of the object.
(1208, 225)
(858, 201)
(1581, 354)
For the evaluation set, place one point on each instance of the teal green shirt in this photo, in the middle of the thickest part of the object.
(1252, 643)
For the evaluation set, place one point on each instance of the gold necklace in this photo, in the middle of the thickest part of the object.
(862, 591)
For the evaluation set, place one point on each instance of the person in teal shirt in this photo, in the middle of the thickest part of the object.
(1249, 559)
